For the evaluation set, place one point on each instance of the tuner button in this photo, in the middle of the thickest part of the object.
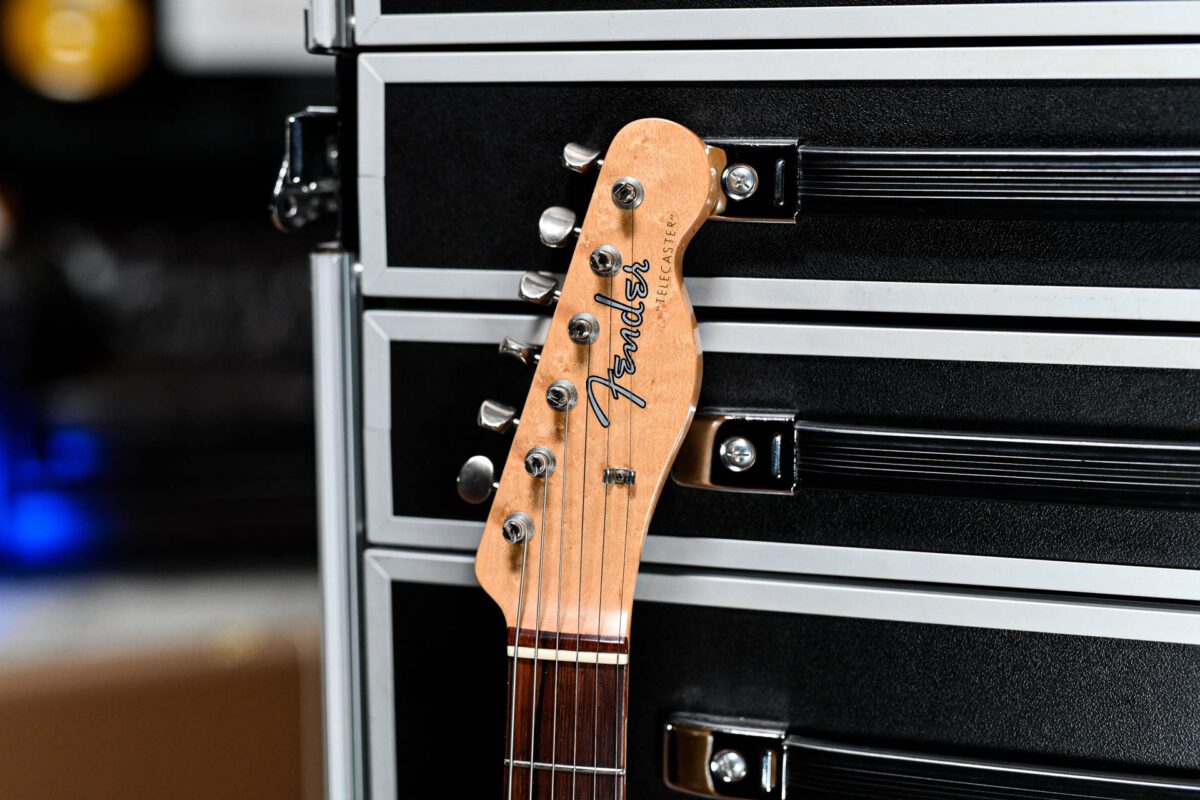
(539, 289)
(525, 353)
(580, 158)
(476, 479)
(557, 226)
(496, 417)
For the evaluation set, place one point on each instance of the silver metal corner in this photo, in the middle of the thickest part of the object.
(330, 25)
(335, 359)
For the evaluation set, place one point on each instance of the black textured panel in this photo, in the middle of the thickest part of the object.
(448, 650)
(424, 471)
(1054, 470)
(1077, 184)
(1031, 697)
(830, 771)
(476, 6)
(1000, 398)
(1064, 701)
(514, 132)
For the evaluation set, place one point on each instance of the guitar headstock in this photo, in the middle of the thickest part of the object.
(613, 394)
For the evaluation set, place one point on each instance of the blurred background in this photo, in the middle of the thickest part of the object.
(158, 594)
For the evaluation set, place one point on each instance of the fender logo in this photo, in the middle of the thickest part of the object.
(631, 321)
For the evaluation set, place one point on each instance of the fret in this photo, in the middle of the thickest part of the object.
(570, 656)
(567, 767)
(568, 742)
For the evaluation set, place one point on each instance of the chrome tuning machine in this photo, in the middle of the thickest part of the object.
(539, 289)
(477, 480)
(527, 354)
(556, 226)
(581, 158)
(496, 417)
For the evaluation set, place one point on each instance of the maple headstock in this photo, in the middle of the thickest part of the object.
(612, 397)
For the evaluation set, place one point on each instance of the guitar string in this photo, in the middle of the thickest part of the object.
(562, 535)
(512, 724)
(618, 705)
(603, 553)
(540, 535)
(579, 599)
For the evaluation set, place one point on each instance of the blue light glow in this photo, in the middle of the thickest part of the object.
(72, 454)
(46, 527)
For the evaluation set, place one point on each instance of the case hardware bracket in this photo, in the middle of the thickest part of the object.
(739, 451)
(309, 180)
(771, 194)
(721, 757)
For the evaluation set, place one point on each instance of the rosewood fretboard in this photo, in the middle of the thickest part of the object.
(567, 716)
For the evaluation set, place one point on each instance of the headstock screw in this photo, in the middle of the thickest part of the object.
(517, 528)
(605, 260)
(476, 479)
(561, 396)
(628, 193)
(539, 462)
(583, 328)
(740, 181)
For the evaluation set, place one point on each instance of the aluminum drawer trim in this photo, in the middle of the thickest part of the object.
(1115, 62)
(381, 328)
(878, 297)
(1007, 20)
(1059, 615)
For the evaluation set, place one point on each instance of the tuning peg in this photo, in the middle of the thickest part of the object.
(556, 226)
(477, 480)
(525, 353)
(581, 158)
(496, 416)
(538, 288)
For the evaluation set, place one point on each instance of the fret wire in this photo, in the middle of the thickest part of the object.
(565, 767)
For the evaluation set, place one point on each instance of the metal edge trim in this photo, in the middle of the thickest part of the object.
(971, 608)
(334, 360)
(375, 71)
(1008, 20)
(807, 339)
(877, 297)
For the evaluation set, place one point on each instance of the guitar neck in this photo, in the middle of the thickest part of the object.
(566, 733)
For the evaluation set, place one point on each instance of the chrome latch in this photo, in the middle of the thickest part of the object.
(308, 183)
(739, 451)
(724, 757)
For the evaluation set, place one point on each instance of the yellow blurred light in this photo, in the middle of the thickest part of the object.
(75, 49)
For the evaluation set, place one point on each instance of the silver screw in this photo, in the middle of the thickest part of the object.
(741, 181)
(737, 454)
(539, 462)
(561, 396)
(517, 528)
(628, 193)
(728, 766)
(605, 260)
(583, 328)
